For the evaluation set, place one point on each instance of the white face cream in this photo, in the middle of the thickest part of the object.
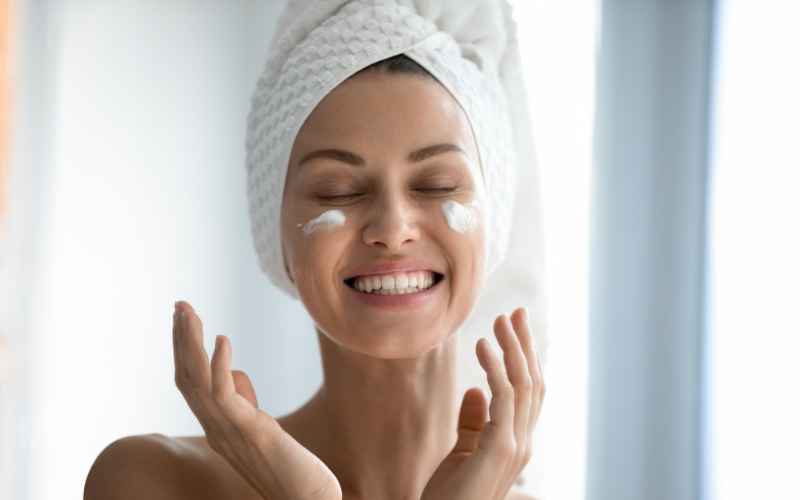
(460, 217)
(330, 219)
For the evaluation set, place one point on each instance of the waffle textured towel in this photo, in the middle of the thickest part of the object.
(470, 46)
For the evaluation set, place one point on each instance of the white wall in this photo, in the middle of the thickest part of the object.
(142, 202)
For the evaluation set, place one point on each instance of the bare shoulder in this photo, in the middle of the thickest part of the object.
(155, 466)
(515, 494)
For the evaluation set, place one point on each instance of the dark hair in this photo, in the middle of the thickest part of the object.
(399, 64)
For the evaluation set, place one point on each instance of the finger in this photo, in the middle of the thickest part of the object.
(194, 354)
(501, 407)
(184, 381)
(182, 374)
(474, 414)
(518, 374)
(222, 386)
(195, 398)
(244, 387)
(176, 357)
(542, 387)
(522, 327)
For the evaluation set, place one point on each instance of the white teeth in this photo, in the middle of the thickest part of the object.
(401, 281)
(399, 284)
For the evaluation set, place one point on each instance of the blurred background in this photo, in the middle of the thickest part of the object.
(667, 135)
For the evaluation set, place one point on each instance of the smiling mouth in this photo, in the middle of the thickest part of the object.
(395, 284)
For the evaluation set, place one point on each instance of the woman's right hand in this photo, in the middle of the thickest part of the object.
(224, 402)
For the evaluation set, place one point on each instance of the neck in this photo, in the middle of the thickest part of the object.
(381, 426)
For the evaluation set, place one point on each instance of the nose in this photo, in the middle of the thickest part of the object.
(392, 225)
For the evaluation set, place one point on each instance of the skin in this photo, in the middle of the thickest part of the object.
(387, 422)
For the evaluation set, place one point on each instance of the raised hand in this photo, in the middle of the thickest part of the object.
(489, 455)
(224, 402)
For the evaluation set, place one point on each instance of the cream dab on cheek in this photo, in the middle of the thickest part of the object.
(460, 217)
(328, 220)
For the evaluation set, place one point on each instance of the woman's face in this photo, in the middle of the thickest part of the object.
(387, 151)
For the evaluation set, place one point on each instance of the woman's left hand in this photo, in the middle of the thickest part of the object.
(489, 455)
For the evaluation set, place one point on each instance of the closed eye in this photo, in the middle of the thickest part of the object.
(340, 197)
(436, 190)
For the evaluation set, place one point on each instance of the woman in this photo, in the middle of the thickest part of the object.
(384, 223)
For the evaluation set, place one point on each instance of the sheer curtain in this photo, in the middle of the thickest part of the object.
(647, 250)
(695, 241)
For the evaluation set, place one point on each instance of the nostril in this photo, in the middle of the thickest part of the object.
(390, 231)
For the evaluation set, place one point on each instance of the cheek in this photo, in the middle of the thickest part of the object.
(463, 227)
(314, 278)
(316, 242)
(461, 218)
(314, 249)
(461, 232)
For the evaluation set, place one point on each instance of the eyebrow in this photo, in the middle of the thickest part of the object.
(334, 154)
(425, 153)
(357, 161)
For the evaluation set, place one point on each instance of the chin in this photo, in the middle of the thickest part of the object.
(403, 340)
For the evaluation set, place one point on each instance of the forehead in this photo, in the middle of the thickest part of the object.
(379, 115)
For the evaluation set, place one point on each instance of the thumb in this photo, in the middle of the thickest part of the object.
(474, 413)
(244, 388)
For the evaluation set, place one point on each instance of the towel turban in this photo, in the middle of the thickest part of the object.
(470, 46)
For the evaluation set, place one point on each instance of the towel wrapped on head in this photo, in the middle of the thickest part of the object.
(470, 47)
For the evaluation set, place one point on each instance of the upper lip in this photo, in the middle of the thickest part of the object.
(391, 267)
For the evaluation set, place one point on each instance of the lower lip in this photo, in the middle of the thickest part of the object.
(405, 301)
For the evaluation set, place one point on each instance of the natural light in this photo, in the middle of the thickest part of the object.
(557, 41)
(753, 389)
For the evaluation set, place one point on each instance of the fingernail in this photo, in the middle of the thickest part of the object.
(525, 315)
(217, 342)
(183, 320)
(176, 306)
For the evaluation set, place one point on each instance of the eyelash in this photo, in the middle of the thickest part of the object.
(350, 196)
(339, 197)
